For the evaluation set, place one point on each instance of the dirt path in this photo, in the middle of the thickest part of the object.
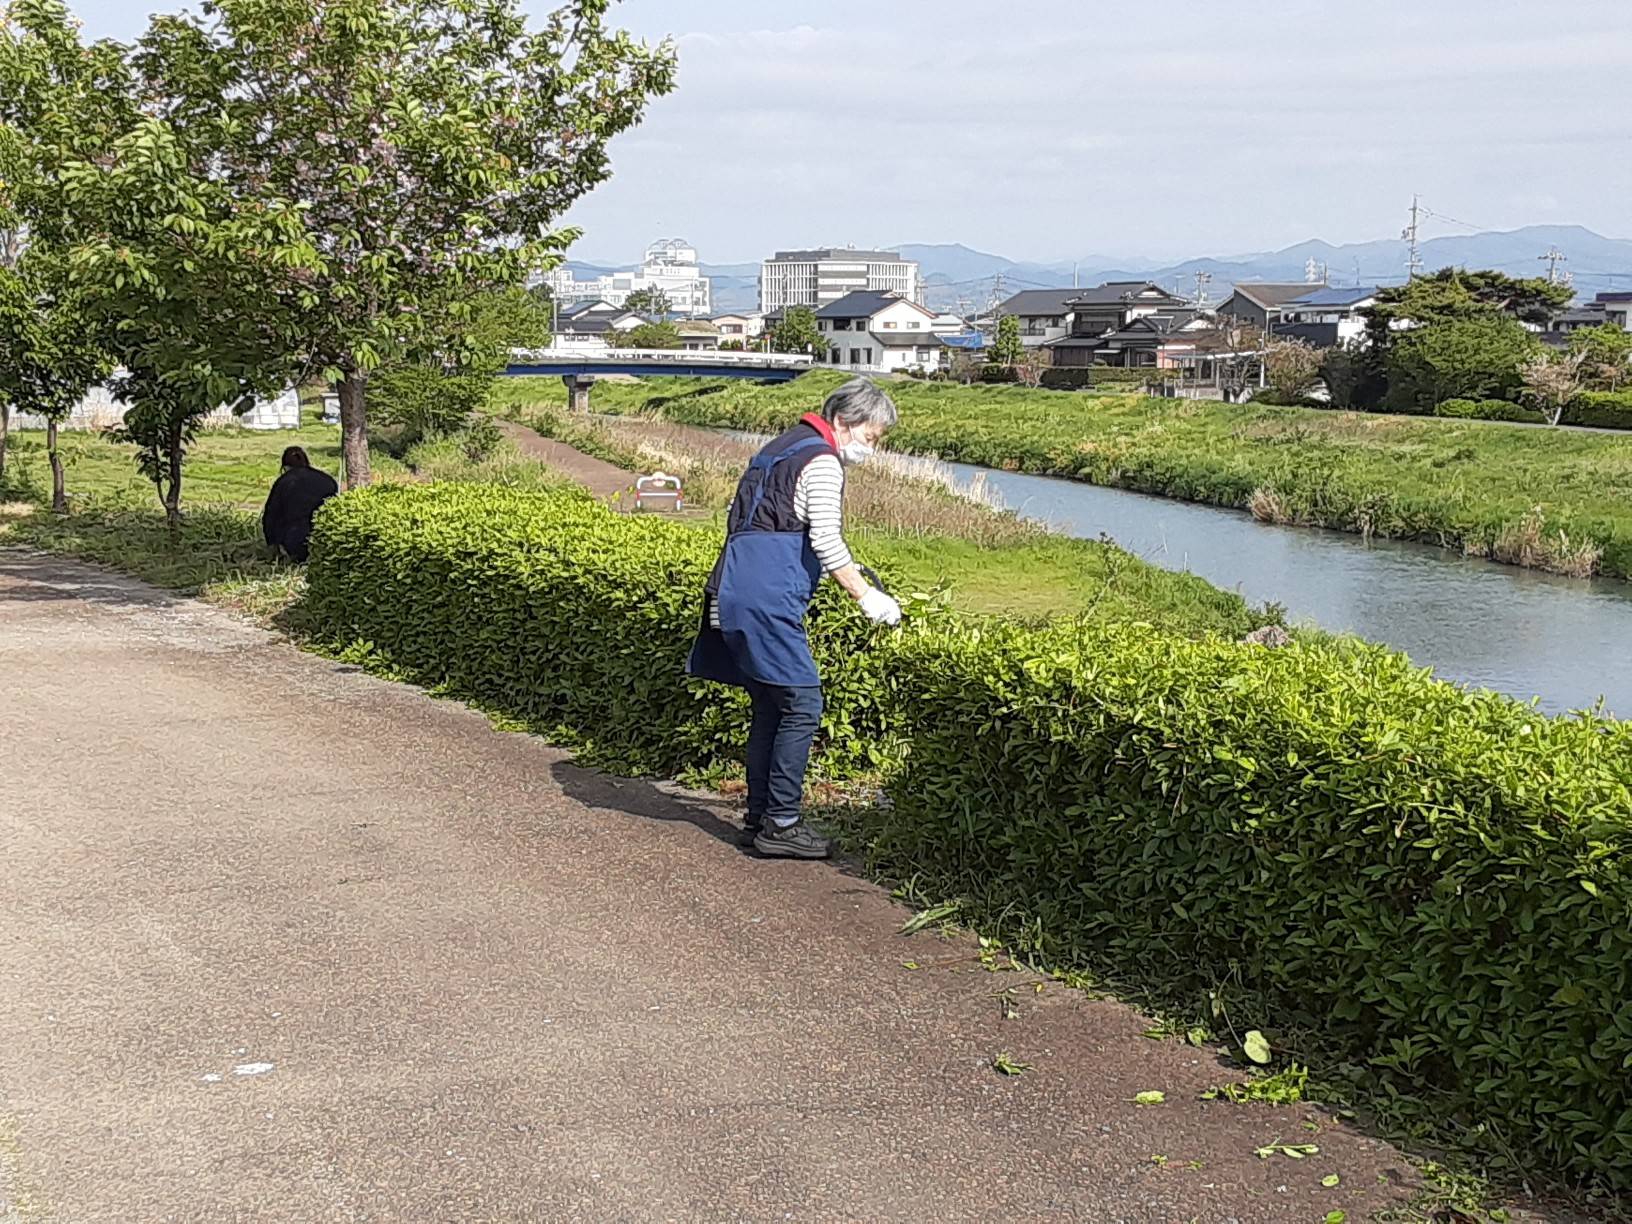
(284, 942)
(603, 479)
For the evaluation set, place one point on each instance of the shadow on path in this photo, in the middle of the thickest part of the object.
(30, 577)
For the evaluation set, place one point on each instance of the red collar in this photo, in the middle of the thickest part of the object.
(816, 422)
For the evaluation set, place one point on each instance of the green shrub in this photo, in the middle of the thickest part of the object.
(558, 611)
(1439, 882)
(1601, 409)
(1487, 410)
(423, 400)
(1067, 378)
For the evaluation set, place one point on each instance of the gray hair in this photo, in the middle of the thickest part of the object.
(860, 402)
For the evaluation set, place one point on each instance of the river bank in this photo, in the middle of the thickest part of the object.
(1546, 499)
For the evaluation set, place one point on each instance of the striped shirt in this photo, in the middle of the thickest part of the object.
(818, 503)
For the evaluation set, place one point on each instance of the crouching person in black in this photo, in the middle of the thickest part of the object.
(296, 494)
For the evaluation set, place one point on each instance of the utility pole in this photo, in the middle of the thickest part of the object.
(1413, 263)
(1552, 259)
(1201, 288)
(997, 290)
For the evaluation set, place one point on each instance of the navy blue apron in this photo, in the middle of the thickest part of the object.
(767, 580)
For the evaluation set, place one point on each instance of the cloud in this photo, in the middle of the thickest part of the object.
(1055, 127)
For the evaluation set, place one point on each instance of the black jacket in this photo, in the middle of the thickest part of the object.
(287, 520)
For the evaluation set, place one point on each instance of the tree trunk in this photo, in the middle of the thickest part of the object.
(5, 428)
(172, 495)
(354, 429)
(59, 491)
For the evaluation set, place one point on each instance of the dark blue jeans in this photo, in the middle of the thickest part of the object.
(785, 721)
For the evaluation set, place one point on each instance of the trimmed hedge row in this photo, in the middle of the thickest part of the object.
(1603, 409)
(1440, 882)
(1487, 410)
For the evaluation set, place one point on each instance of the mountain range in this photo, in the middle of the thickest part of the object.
(959, 276)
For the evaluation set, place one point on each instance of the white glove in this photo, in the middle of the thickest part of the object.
(879, 607)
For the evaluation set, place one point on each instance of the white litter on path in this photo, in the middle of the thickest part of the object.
(252, 1068)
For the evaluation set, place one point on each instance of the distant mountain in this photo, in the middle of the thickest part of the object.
(954, 274)
(959, 276)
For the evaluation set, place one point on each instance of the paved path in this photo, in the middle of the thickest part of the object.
(279, 941)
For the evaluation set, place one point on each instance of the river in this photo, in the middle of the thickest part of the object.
(1567, 641)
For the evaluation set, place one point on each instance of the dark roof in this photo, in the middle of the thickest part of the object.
(1328, 295)
(1114, 293)
(838, 255)
(1268, 294)
(1614, 295)
(1592, 312)
(864, 304)
(1038, 302)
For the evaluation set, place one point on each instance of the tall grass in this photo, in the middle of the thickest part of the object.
(900, 493)
(1484, 486)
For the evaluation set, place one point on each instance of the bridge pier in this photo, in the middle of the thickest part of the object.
(578, 386)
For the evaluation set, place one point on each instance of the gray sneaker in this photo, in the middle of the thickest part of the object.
(798, 840)
(752, 827)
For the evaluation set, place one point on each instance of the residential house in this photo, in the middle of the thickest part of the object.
(1609, 307)
(587, 325)
(873, 332)
(1120, 323)
(739, 327)
(1044, 314)
(1326, 316)
(1262, 303)
(698, 335)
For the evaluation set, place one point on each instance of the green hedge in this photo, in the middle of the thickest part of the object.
(549, 607)
(1438, 882)
(1487, 410)
(1602, 409)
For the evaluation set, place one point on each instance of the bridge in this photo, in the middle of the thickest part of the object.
(578, 368)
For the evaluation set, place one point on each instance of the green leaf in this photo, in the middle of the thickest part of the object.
(1005, 1064)
(1330, 1180)
(1256, 1047)
(1149, 1097)
(1569, 996)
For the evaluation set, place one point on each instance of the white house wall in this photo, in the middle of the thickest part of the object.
(99, 410)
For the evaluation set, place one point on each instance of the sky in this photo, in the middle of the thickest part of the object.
(1059, 129)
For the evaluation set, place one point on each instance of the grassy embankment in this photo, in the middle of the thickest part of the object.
(115, 518)
(992, 562)
(902, 516)
(1551, 499)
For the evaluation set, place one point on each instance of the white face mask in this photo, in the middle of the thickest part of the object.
(855, 451)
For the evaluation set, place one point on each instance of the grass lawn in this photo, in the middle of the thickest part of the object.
(224, 467)
(1550, 498)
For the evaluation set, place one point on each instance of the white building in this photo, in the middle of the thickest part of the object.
(741, 327)
(881, 333)
(815, 278)
(670, 266)
(99, 410)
